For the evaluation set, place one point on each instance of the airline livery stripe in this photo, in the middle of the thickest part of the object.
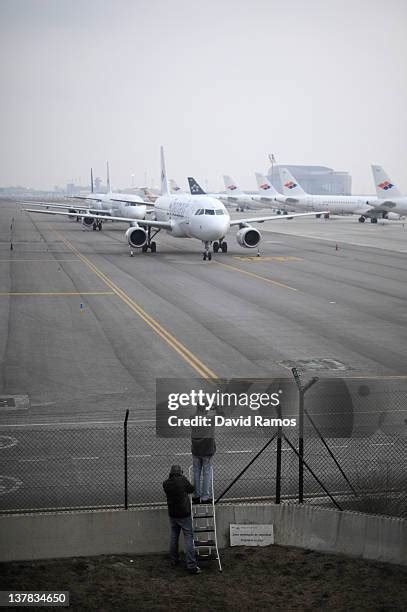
(175, 344)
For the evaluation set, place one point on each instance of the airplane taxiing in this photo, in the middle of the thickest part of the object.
(202, 217)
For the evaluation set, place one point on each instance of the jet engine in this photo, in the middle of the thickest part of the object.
(136, 237)
(73, 214)
(88, 222)
(248, 237)
(391, 215)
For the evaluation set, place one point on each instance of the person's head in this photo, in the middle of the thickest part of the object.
(175, 470)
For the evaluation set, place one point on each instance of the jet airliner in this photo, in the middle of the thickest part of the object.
(202, 217)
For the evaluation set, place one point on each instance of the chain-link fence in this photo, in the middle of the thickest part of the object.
(359, 465)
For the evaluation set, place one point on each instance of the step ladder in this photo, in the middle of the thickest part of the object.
(204, 527)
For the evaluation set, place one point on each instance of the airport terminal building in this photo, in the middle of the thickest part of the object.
(314, 179)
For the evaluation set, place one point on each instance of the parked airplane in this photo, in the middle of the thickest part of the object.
(365, 206)
(228, 201)
(186, 216)
(389, 196)
(269, 194)
(236, 197)
(110, 203)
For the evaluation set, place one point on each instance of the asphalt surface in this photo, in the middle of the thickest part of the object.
(86, 330)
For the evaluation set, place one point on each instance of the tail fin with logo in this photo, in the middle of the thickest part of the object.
(264, 185)
(230, 185)
(175, 188)
(164, 180)
(385, 188)
(291, 187)
(194, 187)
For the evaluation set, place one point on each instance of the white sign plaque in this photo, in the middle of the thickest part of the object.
(251, 535)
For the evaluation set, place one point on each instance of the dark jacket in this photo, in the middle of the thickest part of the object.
(203, 438)
(176, 488)
(203, 447)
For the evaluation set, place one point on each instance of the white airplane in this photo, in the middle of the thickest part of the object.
(110, 203)
(389, 196)
(236, 197)
(202, 217)
(230, 201)
(269, 194)
(365, 206)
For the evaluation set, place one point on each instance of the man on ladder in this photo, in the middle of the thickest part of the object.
(203, 448)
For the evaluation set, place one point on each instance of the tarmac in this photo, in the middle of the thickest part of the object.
(86, 330)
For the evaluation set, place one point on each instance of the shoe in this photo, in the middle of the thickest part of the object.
(195, 570)
(207, 501)
(196, 500)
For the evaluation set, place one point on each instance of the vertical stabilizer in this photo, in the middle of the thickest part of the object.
(264, 185)
(91, 180)
(291, 187)
(230, 185)
(109, 188)
(194, 187)
(164, 180)
(385, 188)
(175, 188)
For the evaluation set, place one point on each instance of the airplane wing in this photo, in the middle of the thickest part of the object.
(248, 221)
(142, 202)
(47, 205)
(142, 222)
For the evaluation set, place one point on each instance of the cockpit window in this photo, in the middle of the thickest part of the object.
(219, 211)
(209, 211)
(200, 211)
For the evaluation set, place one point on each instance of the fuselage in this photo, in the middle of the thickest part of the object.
(338, 204)
(113, 204)
(193, 216)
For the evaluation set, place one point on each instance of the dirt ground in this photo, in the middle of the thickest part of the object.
(271, 578)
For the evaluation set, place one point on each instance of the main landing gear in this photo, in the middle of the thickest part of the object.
(362, 219)
(150, 244)
(97, 225)
(222, 245)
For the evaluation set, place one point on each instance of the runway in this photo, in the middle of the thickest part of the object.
(86, 330)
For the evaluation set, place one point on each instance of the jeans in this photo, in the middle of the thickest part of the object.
(202, 465)
(185, 524)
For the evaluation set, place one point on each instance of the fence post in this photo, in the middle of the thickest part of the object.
(279, 456)
(126, 484)
(301, 391)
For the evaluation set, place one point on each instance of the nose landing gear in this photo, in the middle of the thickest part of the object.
(207, 255)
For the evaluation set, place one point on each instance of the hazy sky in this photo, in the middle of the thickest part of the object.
(221, 83)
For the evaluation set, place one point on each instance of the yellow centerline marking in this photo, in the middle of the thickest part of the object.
(55, 293)
(175, 344)
(263, 278)
(256, 258)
